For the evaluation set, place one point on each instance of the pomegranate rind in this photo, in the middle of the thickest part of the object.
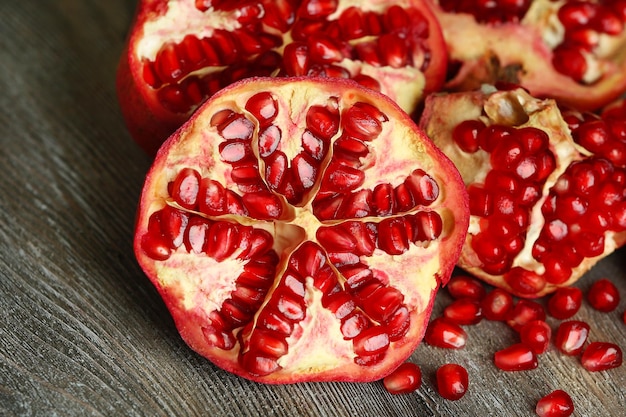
(317, 350)
(519, 53)
(150, 123)
(516, 108)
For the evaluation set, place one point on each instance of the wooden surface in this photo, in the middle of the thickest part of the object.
(82, 331)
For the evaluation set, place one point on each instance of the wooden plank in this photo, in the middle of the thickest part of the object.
(82, 332)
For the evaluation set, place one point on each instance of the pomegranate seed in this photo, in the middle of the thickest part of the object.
(405, 379)
(571, 336)
(556, 404)
(497, 305)
(464, 311)
(565, 302)
(464, 286)
(536, 334)
(517, 357)
(465, 134)
(603, 295)
(524, 312)
(452, 381)
(443, 333)
(600, 356)
(371, 341)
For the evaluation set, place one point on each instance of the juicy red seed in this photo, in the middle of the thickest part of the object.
(383, 199)
(464, 311)
(524, 282)
(570, 337)
(156, 246)
(175, 223)
(267, 344)
(603, 296)
(259, 365)
(315, 9)
(263, 205)
(444, 333)
(569, 61)
(517, 357)
(353, 325)
(464, 286)
(186, 188)
(399, 323)
(263, 106)
(452, 381)
(536, 334)
(465, 134)
(423, 187)
(565, 302)
(428, 226)
(556, 404)
(364, 121)
(322, 121)
(601, 356)
(341, 304)
(290, 305)
(222, 241)
(275, 322)
(392, 236)
(524, 312)
(405, 379)
(497, 305)
(371, 341)
(383, 303)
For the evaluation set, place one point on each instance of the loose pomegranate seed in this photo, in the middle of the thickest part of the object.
(571, 336)
(600, 356)
(517, 357)
(497, 305)
(464, 311)
(444, 333)
(603, 295)
(464, 286)
(524, 312)
(565, 302)
(405, 379)
(452, 381)
(556, 404)
(536, 334)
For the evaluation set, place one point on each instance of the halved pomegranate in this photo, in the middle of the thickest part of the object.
(570, 50)
(180, 52)
(298, 229)
(544, 209)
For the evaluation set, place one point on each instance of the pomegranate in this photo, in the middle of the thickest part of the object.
(299, 228)
(179, 52)
(556, 404)
(405, 379)
(543, 208)
(570, 50)
(601, 356)
(452, 381)
(603, 295)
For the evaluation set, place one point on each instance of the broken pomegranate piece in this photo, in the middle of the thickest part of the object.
(298, 230)
(543, 208)
(571, 50)
(180, 52)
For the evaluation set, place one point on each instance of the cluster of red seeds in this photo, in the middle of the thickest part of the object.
(473, 302)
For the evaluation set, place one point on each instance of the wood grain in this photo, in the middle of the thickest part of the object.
(82, 332)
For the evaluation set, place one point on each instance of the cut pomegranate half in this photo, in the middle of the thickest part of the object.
(570, 50)
(299, 228)
(179, 52)
(543, 208)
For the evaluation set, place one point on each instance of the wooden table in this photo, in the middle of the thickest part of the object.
(83, 332)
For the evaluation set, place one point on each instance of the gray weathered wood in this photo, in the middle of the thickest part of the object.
(82, 332)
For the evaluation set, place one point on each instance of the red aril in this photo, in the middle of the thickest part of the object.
(570, 50)
(556, 404)
(464, 311)
(524, 312)
(443, 333)
(497, 305)
(517, 357)
(405, 379)
(536, 335)
(452, 381)
(543, 209)
(464, 286)
(601, 356)
(570, 337)
(291, 267)
(603, 295)
(169, 68)
(565, 302)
